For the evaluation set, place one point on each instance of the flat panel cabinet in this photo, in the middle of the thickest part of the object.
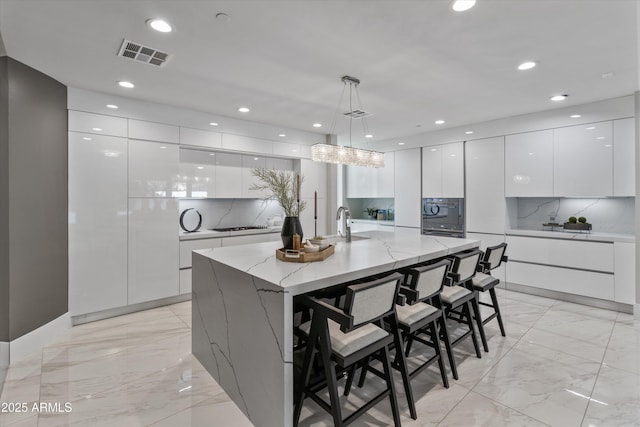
(97, 223)
(200, 138)
(583, 160)
(250, 162)
(315, 178)
(624, 272)
(97, 124)
(529, 164)
(228, 176)
(197, 174)
(485, 202)
(151, 131)
(432, 171)
(153, 250)
(453, 170)
(364, 182)
(407, 188)
(246, 143)
(624, 182)
(252, 238)
(153, 169)
(188, 246)
(385, 177)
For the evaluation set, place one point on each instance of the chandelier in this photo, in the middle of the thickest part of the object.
(348, 155)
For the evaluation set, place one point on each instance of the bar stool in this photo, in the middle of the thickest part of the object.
(344, 337)
(459, 302)
(483, 281)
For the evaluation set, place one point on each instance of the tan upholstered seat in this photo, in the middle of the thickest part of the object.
(348, 343)
(482, 281)
(451, 294)
(410, 314)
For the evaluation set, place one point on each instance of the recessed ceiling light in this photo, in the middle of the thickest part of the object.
(243, 109)
(452, 155)
(126, 84)
(575, 116)
(462, 5)
(256, 158)
(439, 122)
(162, 147)
(469, 132)
(434, 149)
(607, 145)
(97, 129)
(86, 138)
(212, 154)
(401, 143)
(200, 167)
(561, 97)
(282, 135)
(317, 125)
(213, 124)
(531, 154)
(160, 25)
(527, 65)
(368, 135)
(600, 137)
(112, 106)
(607, 75)
(591, 128)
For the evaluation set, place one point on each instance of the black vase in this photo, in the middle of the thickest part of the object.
(290, 226)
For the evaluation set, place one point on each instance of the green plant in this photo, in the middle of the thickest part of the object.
(370, 211)
(284, 186)
(582, 219)
(572, 219)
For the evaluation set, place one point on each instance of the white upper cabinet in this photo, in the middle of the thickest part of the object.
(150, 131)
(529, 164)
(486, 206)
(153, 169)
(315, 178)
(228, 176)
(443, 170)
(364, 182)
(385, 177)
(250, 162)
(246, 143)
(407, 188)
(197, 174)
(200, 138)
(97, 124)
(583, 160)
(286, 149)
(624, 180)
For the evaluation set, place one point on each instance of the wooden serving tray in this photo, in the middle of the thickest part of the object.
(306, 256)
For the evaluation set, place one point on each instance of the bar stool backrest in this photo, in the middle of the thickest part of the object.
(465, 265)
(369, 301)
(430, 279)
(493, 256)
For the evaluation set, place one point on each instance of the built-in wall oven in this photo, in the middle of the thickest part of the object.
(443, 217)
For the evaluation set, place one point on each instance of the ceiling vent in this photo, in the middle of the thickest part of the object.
(145, 54)
(358, 114)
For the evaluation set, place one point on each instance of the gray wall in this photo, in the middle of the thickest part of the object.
(4, 205)
(37, 241)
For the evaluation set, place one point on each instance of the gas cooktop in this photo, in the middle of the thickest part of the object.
(248, 227)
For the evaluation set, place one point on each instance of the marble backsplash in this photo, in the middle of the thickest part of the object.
(217, 213)
(607, 215)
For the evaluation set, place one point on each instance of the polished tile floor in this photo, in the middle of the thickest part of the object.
(561, 364)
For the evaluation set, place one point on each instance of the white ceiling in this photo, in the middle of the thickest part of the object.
(418, 60)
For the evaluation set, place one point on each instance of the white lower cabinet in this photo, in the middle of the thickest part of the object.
(625, 272)
(97, 223)
(153, 249)
(188, 246)
(185, 281)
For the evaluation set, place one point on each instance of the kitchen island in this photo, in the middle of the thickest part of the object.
(243, 309)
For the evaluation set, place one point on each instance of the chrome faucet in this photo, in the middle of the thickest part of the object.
(346, 222)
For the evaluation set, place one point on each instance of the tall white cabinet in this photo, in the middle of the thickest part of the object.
(97, 222)
(443, 170)
(529, 164)
(407, 188)
(363, 182)
(485, 202)
(624, 178)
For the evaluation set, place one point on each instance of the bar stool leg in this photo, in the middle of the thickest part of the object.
(307, 365)
(386, 362)
(447, 345)
(401, 361)
(467, 314)
(433, 332)
(330, 374)
(496, 307)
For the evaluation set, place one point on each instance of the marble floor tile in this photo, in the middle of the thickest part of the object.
(593, 351)
(623, 351)
(224, 412)
(540, 387)
(598, 313)
(629, 320)
(576, 326)
(529, 299)
(477, 410)
(615, 401)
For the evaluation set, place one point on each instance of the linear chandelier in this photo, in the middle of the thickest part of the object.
(348, 155)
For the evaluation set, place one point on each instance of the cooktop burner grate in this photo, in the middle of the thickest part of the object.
(242, 228)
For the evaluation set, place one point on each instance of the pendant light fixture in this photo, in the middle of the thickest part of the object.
(348, 155)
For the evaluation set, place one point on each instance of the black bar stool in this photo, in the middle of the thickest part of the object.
(483, 281)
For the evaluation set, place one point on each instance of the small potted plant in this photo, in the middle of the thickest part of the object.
(283, 186)
(371, 213)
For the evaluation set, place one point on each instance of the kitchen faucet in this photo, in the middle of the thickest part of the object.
(346, 221)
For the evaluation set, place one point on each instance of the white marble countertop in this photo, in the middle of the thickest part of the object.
(211, 234)
(594, 236)
(378, 252)
(373, 221)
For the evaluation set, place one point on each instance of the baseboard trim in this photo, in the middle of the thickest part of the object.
(38, 338)
(4, 354)
(128, 309)
(578, 299)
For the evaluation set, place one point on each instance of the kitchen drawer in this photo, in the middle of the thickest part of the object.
(187, 246)
(596, 256)
(252, 238)
(578, 282)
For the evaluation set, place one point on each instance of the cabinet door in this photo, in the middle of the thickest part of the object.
(529, 164)
(486, 206)
(200, 138)
(407, 188)
(624, 180)
(315, 178)
(361, 182)
(97, 124)
(453, 170)
(188, 246)
(151, 131)
(97, 223)
(583, 160)
(153, 169)
(153, 249)
(228, 176)
(431, 171)
(385, 177)
(250, 162)
(625, 272)
(197, 174)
